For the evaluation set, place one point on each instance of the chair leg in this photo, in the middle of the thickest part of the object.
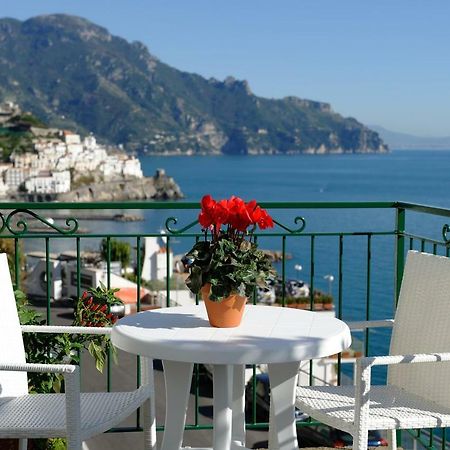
(73, 410)
(149, 425)
(74, 443)
(23, 444)
(392, 440)
(360, 439)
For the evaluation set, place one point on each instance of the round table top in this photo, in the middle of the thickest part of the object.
(266, 335)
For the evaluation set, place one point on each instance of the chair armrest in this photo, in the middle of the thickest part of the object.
(65, 329)
(385, 323)
(363, 376)
(44, 368)
(364, 364)
(72, 391)
(403, 359)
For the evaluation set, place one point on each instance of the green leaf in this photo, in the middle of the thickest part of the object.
(56, 386)
(98, 354)
(231, 265)
(195, 280)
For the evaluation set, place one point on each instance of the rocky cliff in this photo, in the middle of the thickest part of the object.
(75, 74)
(158, 187)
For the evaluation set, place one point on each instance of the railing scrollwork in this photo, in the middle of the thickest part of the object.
(173, 221)
(445, 230)
(297, 220)
(20, 227)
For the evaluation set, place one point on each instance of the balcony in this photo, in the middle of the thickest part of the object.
(354, 252)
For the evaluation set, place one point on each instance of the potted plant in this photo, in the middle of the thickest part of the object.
(227, 265)
(92, 309)
(95, 308)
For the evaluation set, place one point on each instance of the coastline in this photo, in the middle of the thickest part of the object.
(157, 187)
(312, 152)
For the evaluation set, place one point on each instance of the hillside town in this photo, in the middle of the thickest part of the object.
(59, 159)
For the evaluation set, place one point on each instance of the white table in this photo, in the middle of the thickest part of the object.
(279, 337)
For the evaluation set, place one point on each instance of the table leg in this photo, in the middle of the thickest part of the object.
(178, 377)
(282, 430)
(222, 393)
(238, 433)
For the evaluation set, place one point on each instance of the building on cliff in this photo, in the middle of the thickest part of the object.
(58, 159)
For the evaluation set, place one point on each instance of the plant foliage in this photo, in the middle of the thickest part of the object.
(94, 310)
(230, 261)
(119, 251)
(45, 348)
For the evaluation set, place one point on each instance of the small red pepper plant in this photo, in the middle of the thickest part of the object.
(93, 309)
(228, 258)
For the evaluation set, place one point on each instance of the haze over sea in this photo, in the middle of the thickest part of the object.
(415, 176)
(411, 176)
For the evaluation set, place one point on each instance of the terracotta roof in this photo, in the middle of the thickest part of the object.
(128, 294)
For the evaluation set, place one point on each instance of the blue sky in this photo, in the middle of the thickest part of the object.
(385, 62)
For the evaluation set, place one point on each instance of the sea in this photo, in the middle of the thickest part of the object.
(421, 177)
(417, 176)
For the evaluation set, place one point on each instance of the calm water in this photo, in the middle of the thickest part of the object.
(416, 176)
(413, 176)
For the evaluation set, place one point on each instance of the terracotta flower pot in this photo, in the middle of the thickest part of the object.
(224, 314)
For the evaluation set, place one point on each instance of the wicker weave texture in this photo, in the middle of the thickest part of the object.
(422, 325)
(43, 415)
(417, 394)
(390, 407)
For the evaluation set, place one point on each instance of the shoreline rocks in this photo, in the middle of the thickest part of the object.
(158, 187)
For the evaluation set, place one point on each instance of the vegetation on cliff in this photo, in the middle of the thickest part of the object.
(76, 75)
(18, 133)
(15, 134)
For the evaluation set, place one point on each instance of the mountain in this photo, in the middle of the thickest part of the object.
(403, 141)
(75, 74)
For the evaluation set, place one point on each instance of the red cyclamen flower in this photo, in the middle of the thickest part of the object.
(206, 217)
(234, 212)
(265, 221)
(213, 213)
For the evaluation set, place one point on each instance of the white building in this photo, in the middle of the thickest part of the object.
(49, 183)
(3, 188)
(62, 155)
(90, 142)
(15, 177)
(71, 138)
(23, 160)
(132, 168)
(155, 260)
(90, 277)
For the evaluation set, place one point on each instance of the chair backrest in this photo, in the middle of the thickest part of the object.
(12, 351)
(422, 325)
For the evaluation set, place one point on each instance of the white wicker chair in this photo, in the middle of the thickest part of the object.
(74, 415)
(417, 393)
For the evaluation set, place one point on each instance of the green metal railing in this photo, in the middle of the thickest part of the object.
(356, 253)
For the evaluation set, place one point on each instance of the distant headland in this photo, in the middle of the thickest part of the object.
(47, 164)
(76, 75)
